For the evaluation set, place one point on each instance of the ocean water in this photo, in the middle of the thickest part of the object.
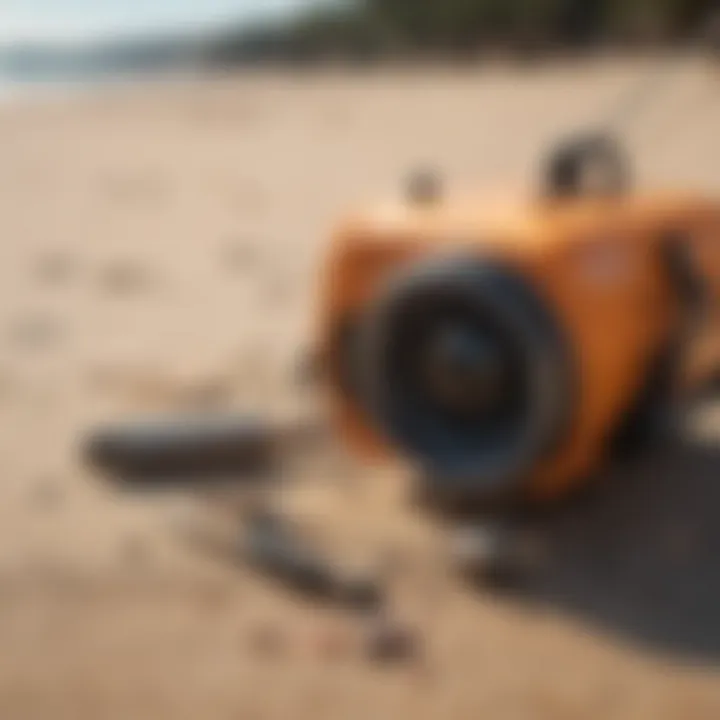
(45, 73)
(50, 45)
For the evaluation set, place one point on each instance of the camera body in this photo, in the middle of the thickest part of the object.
(500, 347)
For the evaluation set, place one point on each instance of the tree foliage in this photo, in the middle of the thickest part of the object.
(368, 28)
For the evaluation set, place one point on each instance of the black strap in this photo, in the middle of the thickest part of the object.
(691, 294)
(650, 418)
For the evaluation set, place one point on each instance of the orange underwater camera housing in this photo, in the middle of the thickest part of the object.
(503, 350)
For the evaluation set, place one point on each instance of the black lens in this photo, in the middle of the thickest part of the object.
(463, 369)
(459, 372)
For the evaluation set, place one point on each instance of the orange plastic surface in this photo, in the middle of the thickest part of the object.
(594, 261)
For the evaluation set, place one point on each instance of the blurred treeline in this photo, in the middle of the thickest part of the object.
(376, 29)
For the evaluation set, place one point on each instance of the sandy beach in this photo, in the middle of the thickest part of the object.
(158, 251)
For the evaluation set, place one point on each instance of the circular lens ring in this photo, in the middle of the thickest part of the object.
(461, 464)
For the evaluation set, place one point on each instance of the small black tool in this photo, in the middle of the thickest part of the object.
(171, 449)
(273, 546)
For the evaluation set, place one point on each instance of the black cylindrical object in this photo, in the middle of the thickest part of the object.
(274, 547)
(182, 447)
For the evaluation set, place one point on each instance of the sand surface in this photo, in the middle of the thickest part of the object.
(158, 250)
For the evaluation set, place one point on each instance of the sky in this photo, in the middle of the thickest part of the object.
(72, 21)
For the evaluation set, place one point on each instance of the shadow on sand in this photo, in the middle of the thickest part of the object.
(639, 553)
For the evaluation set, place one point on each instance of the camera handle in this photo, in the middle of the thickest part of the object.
(587, 165)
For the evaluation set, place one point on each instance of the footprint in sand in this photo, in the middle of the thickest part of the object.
(36, 332)
(46, 494)
(123, 278)
(56, 268)
(240, 255)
